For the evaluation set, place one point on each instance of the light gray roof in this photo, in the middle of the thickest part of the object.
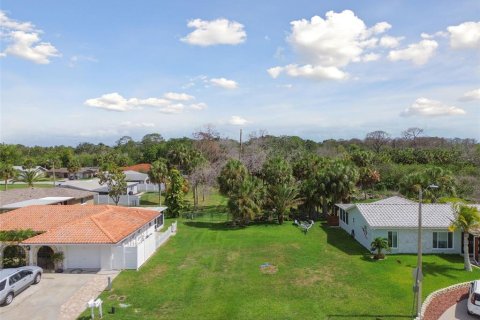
(395, 200)
(18, 195)
(345, 206)
(89, 185)
(34, 202)
(406, 215)
(131, 175)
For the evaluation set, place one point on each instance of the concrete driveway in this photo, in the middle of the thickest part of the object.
(458, 311)
(57, 296)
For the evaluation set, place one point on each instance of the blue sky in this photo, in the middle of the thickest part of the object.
(97, 70)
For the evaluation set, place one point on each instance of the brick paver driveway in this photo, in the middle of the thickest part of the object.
(57, 296)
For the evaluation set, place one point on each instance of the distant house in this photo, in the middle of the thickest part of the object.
(83, 173)
(93, 185)
(141, 167)
(19, 198)
(135, 176)
(396, 219)
(90, 237)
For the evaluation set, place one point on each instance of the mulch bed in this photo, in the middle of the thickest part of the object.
(441, 303)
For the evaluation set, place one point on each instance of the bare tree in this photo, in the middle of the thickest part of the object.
(377, 139)
(411, 134)
(207, 141)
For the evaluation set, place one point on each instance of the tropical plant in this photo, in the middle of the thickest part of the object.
(158, 174)
(277, 171)
(17, 236)
(7, 171)
(410, 184)
(175, 193)
(231, 176)
(281, 198)
(245, 201)
(467, 218)
(379, 244)
(73, 166)
(115, 181)
(30, 176)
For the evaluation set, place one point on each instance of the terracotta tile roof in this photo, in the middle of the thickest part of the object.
(141, 167)
(77, 224)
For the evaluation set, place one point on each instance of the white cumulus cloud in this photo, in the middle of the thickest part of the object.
(418, 53)
(22, 39)
(464, 36)
(390, 42)
(219, 31)
(178, 96)
(428, 108)
(224, 83)
(116, 102)
(325, 45)
(471, 95)
(237, 121)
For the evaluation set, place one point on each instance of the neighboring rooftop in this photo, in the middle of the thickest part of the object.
(88, 185)
(19, 195)
(131, 175)
(33, 202)
(141, 167)
(77, 224)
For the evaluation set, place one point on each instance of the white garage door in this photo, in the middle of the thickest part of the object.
(83, 257)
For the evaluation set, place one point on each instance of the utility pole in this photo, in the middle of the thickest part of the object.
(419, 257)
(240, 149)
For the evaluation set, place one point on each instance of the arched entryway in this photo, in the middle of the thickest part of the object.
(14, 256)
(45, 258)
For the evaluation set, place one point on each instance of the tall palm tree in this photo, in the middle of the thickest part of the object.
(466, 219)
(158, 174)
(281, 198)
(231, 176)
(7, 171)
(30, 176)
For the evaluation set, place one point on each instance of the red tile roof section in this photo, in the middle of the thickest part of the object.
(141, 167)
(77, 224)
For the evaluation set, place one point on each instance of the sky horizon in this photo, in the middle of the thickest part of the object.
(93, 72)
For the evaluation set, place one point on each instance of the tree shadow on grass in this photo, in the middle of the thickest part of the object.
(217, 226)
(439, 269)
(339, 239)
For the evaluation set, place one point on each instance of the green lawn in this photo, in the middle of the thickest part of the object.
(211, 271)
(23, 186)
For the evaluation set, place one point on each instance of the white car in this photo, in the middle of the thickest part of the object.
(15, 280)
(473, 306)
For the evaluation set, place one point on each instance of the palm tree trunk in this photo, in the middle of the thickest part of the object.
(159, 194)
(6, 184)
(466, 254)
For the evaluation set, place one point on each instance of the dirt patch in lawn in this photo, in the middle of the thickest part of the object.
(309, 277)
(268, 268)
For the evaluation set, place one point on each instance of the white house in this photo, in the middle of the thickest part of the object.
(90, 237)
(396, 219)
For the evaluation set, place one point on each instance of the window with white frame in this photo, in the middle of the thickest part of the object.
(393, 239)
(443, 240)
(344, 216)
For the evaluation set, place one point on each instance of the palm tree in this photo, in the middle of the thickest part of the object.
(73, 166)
(281, 198)
(158, 174)
(466, 219)
(245, 201)
(231, 176)
(7, 172)
(30, 176)
(379, 244)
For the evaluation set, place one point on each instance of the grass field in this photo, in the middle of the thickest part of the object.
(23, 186)
(211, 271)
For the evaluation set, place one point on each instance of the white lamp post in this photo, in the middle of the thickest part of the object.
(419, 275)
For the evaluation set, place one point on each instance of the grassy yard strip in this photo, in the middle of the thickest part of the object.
(210, 271)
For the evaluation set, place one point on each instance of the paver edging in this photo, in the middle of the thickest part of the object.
(438, 293)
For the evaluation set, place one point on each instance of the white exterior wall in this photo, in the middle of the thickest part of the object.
(407, 240)
(356, 222)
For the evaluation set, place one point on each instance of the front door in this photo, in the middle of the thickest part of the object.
(45, 258)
